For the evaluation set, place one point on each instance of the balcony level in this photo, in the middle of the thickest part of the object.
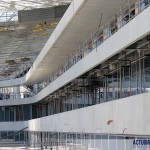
(83, 18)
(124, 75)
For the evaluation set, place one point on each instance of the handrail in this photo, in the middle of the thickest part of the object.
(13, 133)
(96, 39)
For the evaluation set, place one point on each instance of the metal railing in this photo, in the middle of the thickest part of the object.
(84, 141)
(13, 134)
(13, 95)
(14, 139)
(123, 17)
(6, 17)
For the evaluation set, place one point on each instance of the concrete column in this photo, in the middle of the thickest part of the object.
(137, 7)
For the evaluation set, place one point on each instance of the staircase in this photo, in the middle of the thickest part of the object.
(7, 143)
(11, 143)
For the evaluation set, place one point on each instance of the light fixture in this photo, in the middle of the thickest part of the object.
(44, 25)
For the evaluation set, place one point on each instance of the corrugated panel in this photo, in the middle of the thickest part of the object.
(42, 14)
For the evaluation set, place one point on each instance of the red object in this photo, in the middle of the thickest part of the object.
(109, 122)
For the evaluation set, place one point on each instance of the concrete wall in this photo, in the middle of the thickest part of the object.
(132, 113)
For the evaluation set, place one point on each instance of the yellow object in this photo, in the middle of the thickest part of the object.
(54, 24)
(40, 26)
(3, 29)
(37, 30)
(43, 34)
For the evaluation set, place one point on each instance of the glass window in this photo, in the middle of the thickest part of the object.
(26, 112)
(109, 87)
(3, 135)
(79, 141)
(146, 75)
(132, 11)
(105, 142)
(97, 141)
(11, 109)
(116, 84)
(22, 136)
(86, 96)
(100, 37)
(102, 89)
(112, 142)
(135, 82)
(113, 85)
(19, 113)
(113, 26)
(126, 17)
(34, 111)
(17, 137)
(11, 135)
(7, 114)
(2, 113)
(120, 143)
(144, 4)
(91, 94)
(97, 94)
(125, 81)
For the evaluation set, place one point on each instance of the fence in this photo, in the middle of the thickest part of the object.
(82, 141)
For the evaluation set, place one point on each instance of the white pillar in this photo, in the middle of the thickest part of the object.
(16, 92)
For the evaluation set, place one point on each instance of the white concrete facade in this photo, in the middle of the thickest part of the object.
(132, 113)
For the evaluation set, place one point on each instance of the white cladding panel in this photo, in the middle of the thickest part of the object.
(132, 113)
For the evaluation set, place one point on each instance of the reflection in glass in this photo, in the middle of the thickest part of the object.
(125, 81)
(134, 78)
(146, 75)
